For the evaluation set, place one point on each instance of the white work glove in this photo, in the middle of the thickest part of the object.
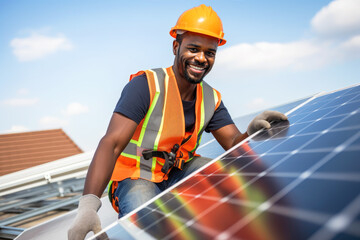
(263, 121)
(86, 219)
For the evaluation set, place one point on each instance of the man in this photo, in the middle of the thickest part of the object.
(157, 125)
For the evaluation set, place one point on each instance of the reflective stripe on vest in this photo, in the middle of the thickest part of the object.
(152, 133)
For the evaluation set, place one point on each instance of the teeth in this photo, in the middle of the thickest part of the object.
(197, 68)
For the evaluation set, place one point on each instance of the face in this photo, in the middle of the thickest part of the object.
(195, 56)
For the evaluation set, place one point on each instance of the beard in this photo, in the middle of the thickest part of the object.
(191, 79)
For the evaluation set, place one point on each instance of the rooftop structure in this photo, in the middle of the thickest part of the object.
(20, 151)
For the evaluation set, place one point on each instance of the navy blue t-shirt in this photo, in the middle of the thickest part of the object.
(135, 102)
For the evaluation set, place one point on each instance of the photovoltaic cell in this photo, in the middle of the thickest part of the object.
(298, 180)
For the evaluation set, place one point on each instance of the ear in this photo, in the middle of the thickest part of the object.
(175, 47)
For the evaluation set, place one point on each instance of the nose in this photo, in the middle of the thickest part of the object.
(200, 57)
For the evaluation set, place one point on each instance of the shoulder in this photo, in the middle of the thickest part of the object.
(137, 83)
(139, 78)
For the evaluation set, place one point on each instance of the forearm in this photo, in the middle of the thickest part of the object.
(238, 138)
(228, 136)
(101, 168)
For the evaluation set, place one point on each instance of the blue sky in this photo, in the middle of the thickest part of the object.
(63, 64)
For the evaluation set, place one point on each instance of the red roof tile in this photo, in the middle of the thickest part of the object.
(23, 150)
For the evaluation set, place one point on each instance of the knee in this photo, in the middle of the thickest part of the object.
(134, 193)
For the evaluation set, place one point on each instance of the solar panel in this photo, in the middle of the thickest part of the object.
(298, 180)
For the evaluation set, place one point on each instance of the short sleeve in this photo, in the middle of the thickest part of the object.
(134, 101)
(220, 118)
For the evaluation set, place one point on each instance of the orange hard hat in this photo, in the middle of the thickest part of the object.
(201, 19)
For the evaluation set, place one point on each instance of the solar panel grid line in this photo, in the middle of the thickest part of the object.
(324, 118)
(299, 150)
(311, 110)
(350, 140)
(323, 176)
(334, 152)
(133, 230)
(353, 148)
(227, 176)
(316, 150)
(208, 231)
(155, 222)
(329, 112)
(306, 134)
(216, 204)
(183, 180)
(349, 88)
(333, 130)
(305, 215)
(253, 214)
(334, 109)
(332, 117)
(287, 113)
(242, 222)
(205, 144)
(338, 222)
(310, 216)
(325, 109)
(172, 187)
(303, 104)
(187, 203)
(266, 204)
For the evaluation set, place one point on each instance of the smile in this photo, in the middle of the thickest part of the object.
(196, 69)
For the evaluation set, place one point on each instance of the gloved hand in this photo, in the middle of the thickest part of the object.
(263, 121)
(86, 219)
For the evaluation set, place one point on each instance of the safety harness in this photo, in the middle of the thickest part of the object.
(170, 158)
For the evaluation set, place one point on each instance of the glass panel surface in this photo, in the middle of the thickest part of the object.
(298, 180)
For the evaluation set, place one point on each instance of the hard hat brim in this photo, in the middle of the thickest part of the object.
(173, 30)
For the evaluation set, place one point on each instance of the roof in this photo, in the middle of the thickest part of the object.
(19, 151)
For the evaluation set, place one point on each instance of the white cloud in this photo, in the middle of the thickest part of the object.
(20, 102)
(17, 128)
(270, 56)
(75, 108)
(287, 56)
(353, 44)
(38, 46)
(52, 122)
(338, 18)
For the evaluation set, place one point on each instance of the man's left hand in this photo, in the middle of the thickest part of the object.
(263, 121)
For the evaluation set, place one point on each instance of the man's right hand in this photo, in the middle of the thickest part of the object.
(86, 219)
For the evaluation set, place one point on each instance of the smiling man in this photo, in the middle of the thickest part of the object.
(157, 125)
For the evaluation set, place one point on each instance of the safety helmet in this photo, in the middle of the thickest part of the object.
(201, 19)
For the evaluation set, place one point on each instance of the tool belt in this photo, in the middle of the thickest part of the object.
(170, 158)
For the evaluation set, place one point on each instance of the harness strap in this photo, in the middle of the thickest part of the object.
(170, 158)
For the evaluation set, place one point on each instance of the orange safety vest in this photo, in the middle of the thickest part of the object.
(164, 126)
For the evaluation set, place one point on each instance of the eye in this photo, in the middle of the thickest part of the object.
(193, 50)
(211, 54)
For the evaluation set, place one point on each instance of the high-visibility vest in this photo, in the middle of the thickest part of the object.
(164, 126)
